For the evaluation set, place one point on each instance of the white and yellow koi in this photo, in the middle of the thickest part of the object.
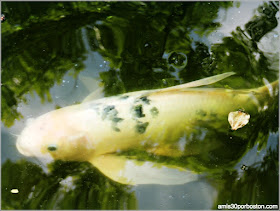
(153, 120)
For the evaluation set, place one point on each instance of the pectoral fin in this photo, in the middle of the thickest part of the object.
(97, 94)
(94, 87)
(132, 172)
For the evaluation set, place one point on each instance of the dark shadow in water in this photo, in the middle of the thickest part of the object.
(148, 45)
(258, 183)
(83, 188)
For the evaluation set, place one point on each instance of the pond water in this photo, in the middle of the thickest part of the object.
(55, 54)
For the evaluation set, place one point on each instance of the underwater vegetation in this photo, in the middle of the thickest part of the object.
(148, 45)
(71, 185)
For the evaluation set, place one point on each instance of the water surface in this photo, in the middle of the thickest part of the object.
(55, 54)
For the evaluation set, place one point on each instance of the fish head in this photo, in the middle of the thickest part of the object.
(55, 136)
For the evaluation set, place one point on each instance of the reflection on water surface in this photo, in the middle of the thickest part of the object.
(55, 54)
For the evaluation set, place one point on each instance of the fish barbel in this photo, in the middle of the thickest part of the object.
(152, 120)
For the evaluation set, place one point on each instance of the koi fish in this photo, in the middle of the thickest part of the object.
(151, 120)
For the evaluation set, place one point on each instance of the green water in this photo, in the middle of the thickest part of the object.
(48, 47)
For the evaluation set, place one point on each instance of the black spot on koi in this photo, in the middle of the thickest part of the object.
(109, 108)
(117, 119)
(154, 111)
(110, 113)
(138, 111)
(124, 97)
(145, 100)
(116, 129)
(141, 127)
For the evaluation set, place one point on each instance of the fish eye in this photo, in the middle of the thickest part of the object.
(52, 147)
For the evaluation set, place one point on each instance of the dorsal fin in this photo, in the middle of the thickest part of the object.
(201, 82)
(97, 94)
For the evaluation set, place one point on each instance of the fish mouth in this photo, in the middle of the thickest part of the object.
(21, 150)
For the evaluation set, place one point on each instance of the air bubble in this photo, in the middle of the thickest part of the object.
(177, 59)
